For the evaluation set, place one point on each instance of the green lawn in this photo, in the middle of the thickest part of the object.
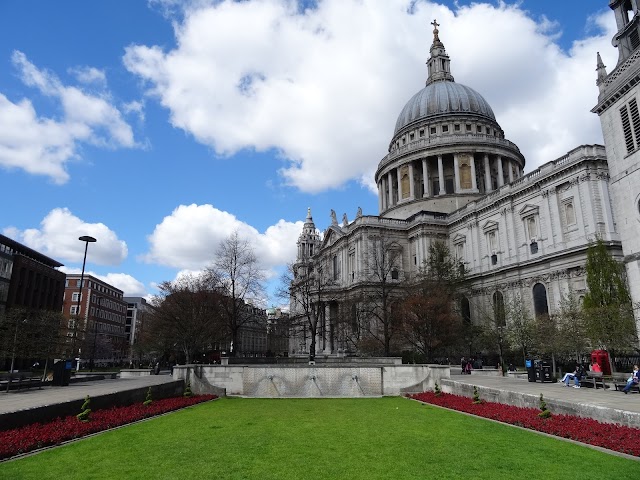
(386, 438)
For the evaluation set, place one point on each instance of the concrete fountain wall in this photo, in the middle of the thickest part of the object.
(349, 380)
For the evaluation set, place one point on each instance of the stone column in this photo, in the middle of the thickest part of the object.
(441, 176)
(456, 175)
(500, 172)
(412, 187)
(487, 174)
(390, 184)
(425, 178)
(510, 167)
(474, 183)
(399, 182)
(380, 197)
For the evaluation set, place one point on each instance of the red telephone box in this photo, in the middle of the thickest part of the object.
(602, 358)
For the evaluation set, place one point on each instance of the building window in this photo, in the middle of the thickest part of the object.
(422, 132)
(534, 247)
(74, 297)
(569, 213)
(445, 128)
(630, 118)
(456, 127)
(433, 130)
(468, 127)
(479, 128)
(394, 274)
(336, 267)
(411, 136)
(352, 265)
(492, 241)
(460, 251)
(540, 304)
(74, 310)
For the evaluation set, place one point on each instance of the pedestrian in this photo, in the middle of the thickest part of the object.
(634, 379)
(463, 364)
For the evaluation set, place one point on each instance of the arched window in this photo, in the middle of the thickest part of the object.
(498, 309)
(540, 304)
(465, 309)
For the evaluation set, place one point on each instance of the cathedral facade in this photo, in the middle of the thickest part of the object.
(451, 175)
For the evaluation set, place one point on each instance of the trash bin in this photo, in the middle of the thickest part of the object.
(531, 372)
(602, 358)
(62, 373)
(546, 372)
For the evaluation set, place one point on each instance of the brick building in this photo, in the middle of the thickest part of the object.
(99, 335)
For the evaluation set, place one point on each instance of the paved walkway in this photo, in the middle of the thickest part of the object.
(607, 398)
(16, 400)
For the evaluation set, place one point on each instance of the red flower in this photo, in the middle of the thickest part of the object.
(38, 435)
(586, 430)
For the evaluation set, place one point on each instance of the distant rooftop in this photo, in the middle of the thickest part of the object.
(29, 252)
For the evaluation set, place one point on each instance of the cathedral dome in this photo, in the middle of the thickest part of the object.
(443, 98)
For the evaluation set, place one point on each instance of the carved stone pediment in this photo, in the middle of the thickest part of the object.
(489, 225)
(459, 238)
(529, 209)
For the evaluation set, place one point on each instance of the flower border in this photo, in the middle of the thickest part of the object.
(32, 437)
(611, 436)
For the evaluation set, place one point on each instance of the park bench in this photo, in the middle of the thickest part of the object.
(620, 381)
(19, 380)
(594, 380)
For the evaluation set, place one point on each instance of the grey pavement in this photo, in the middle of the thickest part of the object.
(585, 399)
(16, 400)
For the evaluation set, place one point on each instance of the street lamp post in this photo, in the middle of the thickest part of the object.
(95, 333)
(87, 239)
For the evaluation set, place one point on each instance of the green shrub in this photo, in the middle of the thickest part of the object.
(544, 411)
(148, 401)
(83, 416)
(476, 395)
(187, 390)
(437, 390)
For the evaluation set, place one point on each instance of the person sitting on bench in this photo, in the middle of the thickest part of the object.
(633, 380)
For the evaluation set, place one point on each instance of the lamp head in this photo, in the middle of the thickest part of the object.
(88, 239)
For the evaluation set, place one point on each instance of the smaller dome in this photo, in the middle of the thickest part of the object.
(443, 98)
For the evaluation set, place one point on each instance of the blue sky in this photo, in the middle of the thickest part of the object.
(161, 127)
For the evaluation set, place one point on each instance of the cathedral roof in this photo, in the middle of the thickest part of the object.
(442, 96)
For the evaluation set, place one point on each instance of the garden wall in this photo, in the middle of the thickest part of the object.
(122, 398)
(350, 380)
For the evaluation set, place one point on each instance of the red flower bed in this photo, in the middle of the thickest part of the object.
(607, 435)
(38, 435)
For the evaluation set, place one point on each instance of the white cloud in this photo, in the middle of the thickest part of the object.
(44, 146)
(89, 75)
(58, 236)
(324, 86)
(207, 227)
(123, 281)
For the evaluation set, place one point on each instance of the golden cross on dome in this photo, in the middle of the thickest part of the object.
(435, 30)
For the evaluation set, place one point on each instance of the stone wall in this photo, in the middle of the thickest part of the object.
(352, 380)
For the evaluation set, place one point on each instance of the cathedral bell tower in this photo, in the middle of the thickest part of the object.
(308, 241)
(619, 95)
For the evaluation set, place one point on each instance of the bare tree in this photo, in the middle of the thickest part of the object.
(186, 316)
(431, 321)
(237, 275)
(307, 285)
(383, 290)
(520, 325)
